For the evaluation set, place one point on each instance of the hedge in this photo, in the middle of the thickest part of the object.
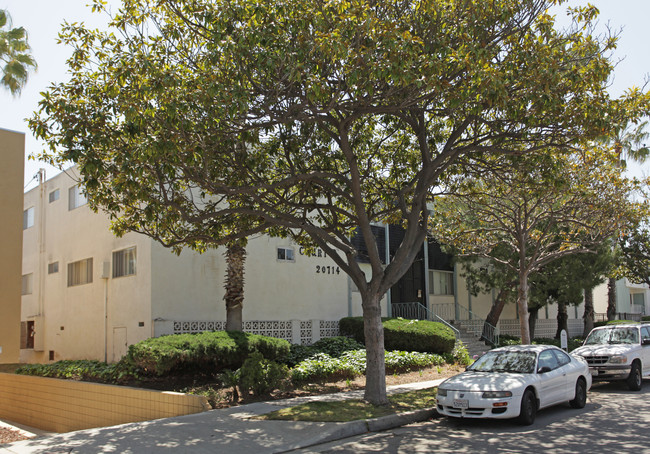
(407, 335)
(203, 352)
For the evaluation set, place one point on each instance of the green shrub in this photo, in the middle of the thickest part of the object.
(353, 363)
(260, 375)
(299, 353)
(333, 346)
(336, 346)
(459, 355)
(322, 366)
(85, 370)
(207, 351)
(613, 322)
(572, 343)
(403, 334)
(645, 318)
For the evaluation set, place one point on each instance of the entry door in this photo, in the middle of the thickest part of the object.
(119, 343)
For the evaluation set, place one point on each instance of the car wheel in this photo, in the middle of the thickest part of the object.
(634, 379)
(580, 398)
(528, 408)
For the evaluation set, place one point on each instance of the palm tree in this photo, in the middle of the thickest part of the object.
(628, 142)
(234, 285)
(14, 55)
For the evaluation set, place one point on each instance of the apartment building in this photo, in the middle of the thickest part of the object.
(87, 294)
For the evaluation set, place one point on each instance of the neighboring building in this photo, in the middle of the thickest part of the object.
(12, 153)
(88, 294)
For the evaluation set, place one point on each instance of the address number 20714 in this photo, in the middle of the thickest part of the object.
(327, 269)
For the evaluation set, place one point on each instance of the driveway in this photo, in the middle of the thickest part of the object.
(614, 420)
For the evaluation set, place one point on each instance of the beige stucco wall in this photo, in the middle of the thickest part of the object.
(12, 153)
(190, 286)
(75, 317)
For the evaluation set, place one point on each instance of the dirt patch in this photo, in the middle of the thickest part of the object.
(222, 397)
(8, 435)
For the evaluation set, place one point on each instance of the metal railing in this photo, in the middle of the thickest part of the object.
(416, 311)
(468, 320)
(602, 316)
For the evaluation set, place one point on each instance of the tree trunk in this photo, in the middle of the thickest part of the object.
(588, 316)
(532, 322)
(373, 329)
(522, 307)
(493, 316)
(234, 285)
(611, 299)
(562, 319)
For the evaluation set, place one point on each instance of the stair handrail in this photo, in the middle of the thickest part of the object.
(487, 331)
(417, 311)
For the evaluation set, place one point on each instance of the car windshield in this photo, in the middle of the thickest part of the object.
(516, 362)
(613, 335)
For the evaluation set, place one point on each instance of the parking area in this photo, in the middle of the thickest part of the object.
(615, 420)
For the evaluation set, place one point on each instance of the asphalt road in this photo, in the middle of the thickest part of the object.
(614, 420)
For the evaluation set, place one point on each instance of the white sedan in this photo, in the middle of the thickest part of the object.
(515, 381)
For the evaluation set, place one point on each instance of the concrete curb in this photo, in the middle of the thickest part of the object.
(353, 428)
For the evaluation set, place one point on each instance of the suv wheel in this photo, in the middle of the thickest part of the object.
(634, 379)
(580, 398)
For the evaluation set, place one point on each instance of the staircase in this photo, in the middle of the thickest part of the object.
(468, 331)
(474, 345)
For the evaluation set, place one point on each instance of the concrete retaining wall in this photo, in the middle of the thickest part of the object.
(64, 405)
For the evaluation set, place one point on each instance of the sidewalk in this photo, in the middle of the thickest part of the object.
(216, 431)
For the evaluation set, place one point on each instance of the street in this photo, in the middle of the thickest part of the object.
(614, 420)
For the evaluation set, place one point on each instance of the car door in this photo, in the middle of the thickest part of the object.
(645, 350)
(552, 385)
(570, 372)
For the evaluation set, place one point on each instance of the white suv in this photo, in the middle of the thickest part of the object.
(618, 352)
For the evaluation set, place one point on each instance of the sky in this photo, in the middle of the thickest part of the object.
(43, 19)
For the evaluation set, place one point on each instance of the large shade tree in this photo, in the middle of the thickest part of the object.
(539, 208)
(15, 56)
(627, 140)
(203, 122)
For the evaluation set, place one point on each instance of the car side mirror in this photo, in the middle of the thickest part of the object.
(543, 370)
(645, 342)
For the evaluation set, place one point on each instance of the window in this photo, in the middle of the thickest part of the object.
(441, 282)
(80, 272)
(562, 358)
(547, 359)
(285, 254)
(27, 284)
(54, 195)
(124, 262)
(28, 218)
(53, 268)
(75, 197)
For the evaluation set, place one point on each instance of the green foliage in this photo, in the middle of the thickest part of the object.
(403, 334)
(645, 318)
(230, 379)
(614, 322)
(85, 370)
(572, 343)
(333, 346)
(459, 355)
(202, 352)
(261, 375)
(418, 336)
(14, 54)
(353, 363)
